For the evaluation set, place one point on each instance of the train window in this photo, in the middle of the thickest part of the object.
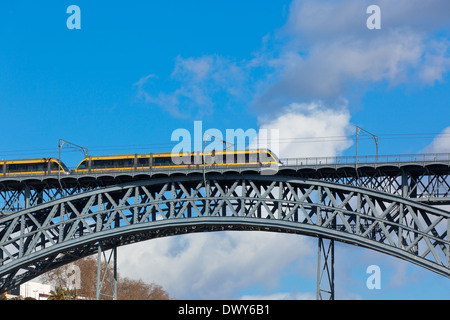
(265, 157)
(121, 163)
(219, 158)
(27, 167)
(37, 167)
(64, 167)
(162, 161)
(54, 166)
(101, 163)
(236, 158)
(231, 158)
(242, 158)
(142, 162)
(1, 168)
(82, 165)
(113, 163)
(18, 167)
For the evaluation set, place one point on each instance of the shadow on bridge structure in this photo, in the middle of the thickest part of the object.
(396, 207)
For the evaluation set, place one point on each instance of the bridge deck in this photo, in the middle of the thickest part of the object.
(303, 167)
(424, 177)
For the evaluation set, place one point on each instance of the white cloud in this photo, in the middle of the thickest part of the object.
(214, 265)
(327, 50)
(310, 130)
(196, 81)
(435, 62)
(323, 52)
(440, 144)
(326, 53)
(312, 20)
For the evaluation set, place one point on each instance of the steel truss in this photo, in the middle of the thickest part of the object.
(47, 235)
(425, 186)
(428, 184)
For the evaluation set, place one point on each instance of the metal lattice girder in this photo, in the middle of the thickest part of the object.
(425, 181)
(44, 236)
(426, 186)
(19, 196)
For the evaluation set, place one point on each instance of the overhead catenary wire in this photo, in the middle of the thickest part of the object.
(152, 147)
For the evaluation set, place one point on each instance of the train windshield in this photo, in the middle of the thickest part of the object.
(64, 167)
(271, 154)
(82, 165)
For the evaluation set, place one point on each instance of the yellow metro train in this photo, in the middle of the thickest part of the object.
(41, 166)
(150, 161)
(146, 161)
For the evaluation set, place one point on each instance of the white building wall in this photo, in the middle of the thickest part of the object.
(35, 290)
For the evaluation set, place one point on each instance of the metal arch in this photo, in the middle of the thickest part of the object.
(42, 237)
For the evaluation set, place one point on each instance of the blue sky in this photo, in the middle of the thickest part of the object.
(137, 71)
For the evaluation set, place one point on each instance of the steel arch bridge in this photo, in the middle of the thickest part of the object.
(51, 228)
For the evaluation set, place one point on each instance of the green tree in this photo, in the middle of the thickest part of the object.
(58, 294)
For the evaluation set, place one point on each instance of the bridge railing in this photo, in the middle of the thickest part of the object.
(372, 159)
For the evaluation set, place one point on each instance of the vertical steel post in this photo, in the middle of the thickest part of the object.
(106, 274)
(99, 268)
(325, 267)
(115, 273)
